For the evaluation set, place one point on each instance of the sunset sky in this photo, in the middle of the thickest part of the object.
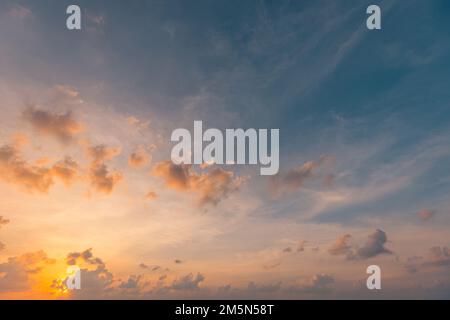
(86, 177)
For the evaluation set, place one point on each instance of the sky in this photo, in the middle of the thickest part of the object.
(85, 171)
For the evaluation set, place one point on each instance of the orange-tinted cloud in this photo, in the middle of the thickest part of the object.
(151, 195)
(63, 127)
(102, 179)
(14, 169)
(17, 270)
(101, 153)
(66, 170)
(3, 221)
(373, 246)
(140, 157)
(211, 186)
(294, 179)
(341, 246)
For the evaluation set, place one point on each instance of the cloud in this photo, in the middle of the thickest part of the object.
(14, 169)
(139, 158)
(19, 12)
(17, 271)
(426, 214)
(151, 195)
(212, 186)
(341, 246)
(63, 127)
(438, 257)
(97, 281)
(295, 179)
(188, 282)
(101, 153)
(3, 221)
(66, 170)
(177, 261)
(374, 246)
(318, 284)
(133, 282)
(67, 91)
(86, 256)
(102, 179)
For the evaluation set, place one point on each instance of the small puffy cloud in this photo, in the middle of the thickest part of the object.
(318, 284)
(3, 221)
(19, 12)
(85, 256)
(341, 246)
(295, 179)
(212, 186)
(137, 123)
(101, 153)
(139, 158)
(66, 170)
(188, 282)
(151, 195)
(177, 177)
(67, 91)
(426, 214)
(17, 271)
(374, 245)
(133, 282)
(63, 127)
(102, 179)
